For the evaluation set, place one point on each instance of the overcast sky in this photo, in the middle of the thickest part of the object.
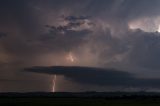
(121, 35)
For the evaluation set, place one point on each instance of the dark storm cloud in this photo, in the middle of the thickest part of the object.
(67, 37)
(75, 19)
(28, 22)
(97, 76)
(125, 8)
(23, 16)
(138, 49)
(145, 49)
(108, 38)
(18, 21)
(72, 22)
(143, 8)
(2, 34)
(19, 12)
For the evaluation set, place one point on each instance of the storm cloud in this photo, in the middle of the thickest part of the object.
(97, 76)
(119, 34)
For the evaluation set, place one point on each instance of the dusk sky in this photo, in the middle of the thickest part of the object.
(79, 45)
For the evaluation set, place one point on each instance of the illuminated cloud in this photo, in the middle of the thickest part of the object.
(145, 24)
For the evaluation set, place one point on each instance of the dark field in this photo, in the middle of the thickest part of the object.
(77, 102)
(70, 99)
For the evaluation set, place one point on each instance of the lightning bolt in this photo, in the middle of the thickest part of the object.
(54, 83)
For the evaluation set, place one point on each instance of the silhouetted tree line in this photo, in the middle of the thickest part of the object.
(92, 95)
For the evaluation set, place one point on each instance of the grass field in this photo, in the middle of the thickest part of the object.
(80, 99)
(78, 102)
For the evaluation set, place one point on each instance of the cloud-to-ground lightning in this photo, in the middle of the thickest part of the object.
(54, 83)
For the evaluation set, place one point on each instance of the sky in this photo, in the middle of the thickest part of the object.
(85, 45)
